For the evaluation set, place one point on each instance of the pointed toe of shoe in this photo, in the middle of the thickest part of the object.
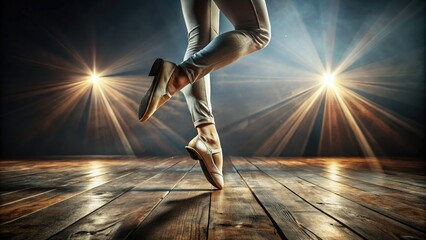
(157, 94)
(218, 180)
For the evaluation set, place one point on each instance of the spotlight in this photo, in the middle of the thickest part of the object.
(95, 78)
(328, 80)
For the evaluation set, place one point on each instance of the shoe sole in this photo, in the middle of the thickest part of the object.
(156, 67)
(194, 155)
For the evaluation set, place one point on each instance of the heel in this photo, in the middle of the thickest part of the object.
(156, 67)
(192, 153)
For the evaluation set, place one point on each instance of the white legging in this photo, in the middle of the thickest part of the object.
(207, 51)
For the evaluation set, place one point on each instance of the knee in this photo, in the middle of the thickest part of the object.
(262, 37)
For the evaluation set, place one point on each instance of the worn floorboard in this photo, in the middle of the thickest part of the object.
(122, 216)
(169, 198)
(235, 212)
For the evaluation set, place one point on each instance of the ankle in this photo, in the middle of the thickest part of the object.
(179, 80)
(212, 141)
(209, 134)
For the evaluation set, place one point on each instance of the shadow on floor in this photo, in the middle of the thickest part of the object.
(175, 212)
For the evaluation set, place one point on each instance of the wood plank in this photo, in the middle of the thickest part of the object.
(235, 213)
(59, 172)
(364, 221)
(404, 172)
(56, 193)
(331, 172)
(27, 206)
(414, 167)
(183, 214)
(264, 199)
(48, 169)
(41, 168)
(296, 218)
(405, 213)
(16, 169)
(37, 186)
(49, 221)
(119, 218)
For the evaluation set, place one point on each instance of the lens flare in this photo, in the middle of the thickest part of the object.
(312, 94)
(325, 103)
(95, 79)
(328, 80)
(97, 102)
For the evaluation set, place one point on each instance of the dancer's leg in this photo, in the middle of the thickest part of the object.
(252, 32)
(202, 22)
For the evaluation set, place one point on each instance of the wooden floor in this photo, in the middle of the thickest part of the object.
(169, 198)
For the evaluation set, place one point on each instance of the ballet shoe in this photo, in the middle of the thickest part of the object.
(157, 94)
(199, 150)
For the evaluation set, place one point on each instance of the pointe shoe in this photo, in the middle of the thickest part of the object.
(199, 150)
(157, 94)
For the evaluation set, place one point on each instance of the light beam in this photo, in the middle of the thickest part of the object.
(328, 80)
(95, 79)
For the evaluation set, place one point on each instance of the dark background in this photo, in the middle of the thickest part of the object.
(34, 34)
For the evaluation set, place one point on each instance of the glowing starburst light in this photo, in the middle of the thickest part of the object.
(328, 80)
(332, 109)
(95, 78)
